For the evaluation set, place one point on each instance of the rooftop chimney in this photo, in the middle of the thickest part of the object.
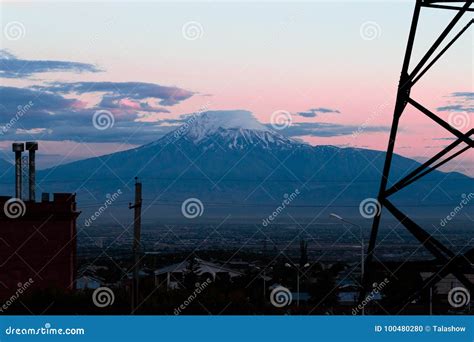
(18, 148)
(31, 147)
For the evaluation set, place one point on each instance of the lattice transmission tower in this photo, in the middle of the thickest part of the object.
(449, 262)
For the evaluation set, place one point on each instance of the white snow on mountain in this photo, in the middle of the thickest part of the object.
(209, 123)
(234, 129)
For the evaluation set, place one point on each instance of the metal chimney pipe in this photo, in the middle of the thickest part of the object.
(31, 147)
(18, 148)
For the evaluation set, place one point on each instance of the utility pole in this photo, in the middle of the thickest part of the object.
(137, 206)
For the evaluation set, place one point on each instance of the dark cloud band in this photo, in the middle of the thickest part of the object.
(313, 112)
(13, 67)
(318, 129)
(167, 96)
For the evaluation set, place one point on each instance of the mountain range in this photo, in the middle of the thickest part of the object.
(237, 166)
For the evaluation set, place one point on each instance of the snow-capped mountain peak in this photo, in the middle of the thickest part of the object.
(209, 123)
(234, 129)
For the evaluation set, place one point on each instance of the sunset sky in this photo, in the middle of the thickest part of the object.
(333, 65)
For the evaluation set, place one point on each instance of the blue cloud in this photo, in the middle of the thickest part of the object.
(167, 96)
(324, 110)
(308, 114)
(455, 108)
(319, 129)
(313, 112)
(462, 101)
(464, 94)
(32, 113)
(114, 102)
(13, 97)
(13, 67)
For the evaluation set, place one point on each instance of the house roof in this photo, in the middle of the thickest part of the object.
(202, 267)
(444, 285)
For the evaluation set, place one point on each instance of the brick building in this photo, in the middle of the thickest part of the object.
(37, 242)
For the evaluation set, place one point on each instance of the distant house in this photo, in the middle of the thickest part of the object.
(143, 273)
(303, 296)
(348, 294)
(88, 278)
(240, 266)
(88, 282)
(174, 274)
(447, 283)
